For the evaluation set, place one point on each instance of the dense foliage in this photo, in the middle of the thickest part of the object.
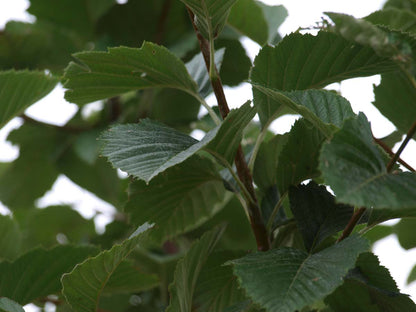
(241, 220)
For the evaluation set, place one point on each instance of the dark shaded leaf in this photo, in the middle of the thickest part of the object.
(405, 231)
(298, 160)
(38, 272)
(265, 166)
(20, 89)
(179, 199)
(369, 287)
(34, 172)
(37, 46)
(131, 23)
(76, 15)
(317, 214)
(10, 238)
(395, 98)
(99, 270)
(187, 271)
(288, 279)
(41, 226)
(355, 169)
(99, 178)
(236, 64)
(217, 288)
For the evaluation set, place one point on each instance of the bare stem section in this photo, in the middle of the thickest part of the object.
(243, 172)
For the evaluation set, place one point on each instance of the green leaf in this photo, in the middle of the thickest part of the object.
(37, 46)
(322, 108)
(354, 168)
(125, 69)
(7, 305)
(10, 238)
(148, 148)
(412, 276)
(298, 160)
(405, 232)
(288, 279)
(34, 172)
(178, 200)
(210, 15)
(84, 296)
(317, 215)
(230, 133)
(297, 63)
(363, 32)
(217, 288)
(197, 69)
(247, 18)
(369, 287)
(396, 19)
(40, 227)
(38, 272)
(401, 4)
(237, 235)
(395, 98)
(393, 138)
(99, 178)
(78, 15)
(275, 15)
(130, 23)
(265, 166)
(20, 89)
(180, 115)
(378, 232)
(129, 279)
(187, 271)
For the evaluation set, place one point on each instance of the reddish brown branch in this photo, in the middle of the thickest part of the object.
(352, 223)
(396, 156)
(256, 220)
(391, 154)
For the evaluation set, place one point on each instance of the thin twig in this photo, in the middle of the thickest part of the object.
(391, 154)
(243, 172)
(396, 156)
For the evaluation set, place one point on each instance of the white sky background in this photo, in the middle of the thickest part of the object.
(302, 13)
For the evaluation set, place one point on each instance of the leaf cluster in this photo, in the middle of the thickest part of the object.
(239, 220)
